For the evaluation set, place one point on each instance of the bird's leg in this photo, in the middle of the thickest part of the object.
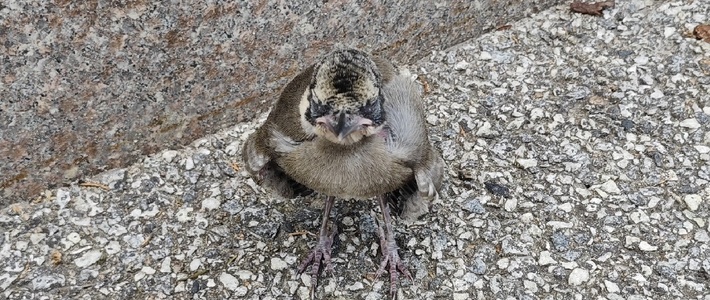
(390, 254)
(323, 249)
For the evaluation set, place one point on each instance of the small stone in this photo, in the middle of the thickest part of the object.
(189, 164)
(113, 247)
(560, 241)
(230, 282)
(195, 264)
(432, 120)
(165, 265)
(693, 201)
(485, 56)
(546, 259)
(511, 204)
(610, 187)
(578, 276)
(148, 270)
(89, 258)
(657, 94)
(611, 287)
(644, 246)
(479, 267)
(278, 264)
(461, 66)
(474, 206)
(210, 203)
(702, 149)
(169, 155)
(702, 236)
(461, 296)
(690, 123)
(530, 286)
(527, 163)
(355, 286)
(497, 189)
(668, 32)
(48, 282)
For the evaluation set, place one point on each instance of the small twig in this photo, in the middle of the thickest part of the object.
(95, 184)
(198, 274)
(302, 232)
(504, 27)
(147, 240)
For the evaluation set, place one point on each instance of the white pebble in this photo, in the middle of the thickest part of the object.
(189, 164)
(511, 204)
(195, 264)
(611, 287)
(355, 286)
(148, 270)
(210, 203)
(462, 65)
(165, 265)
(610, 187)
(690, 123)
(546, 259)
(89, 258)
(278, 264)
(668, 32)
(527, 163)
(169, 155)
(644, 246)
(693, 201)
(230, 282)
(578, 276)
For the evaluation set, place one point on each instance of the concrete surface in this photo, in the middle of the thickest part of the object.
(93, 85)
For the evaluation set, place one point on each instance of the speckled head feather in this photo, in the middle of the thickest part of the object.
(346, 80)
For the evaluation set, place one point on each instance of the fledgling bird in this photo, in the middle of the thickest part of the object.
(350, 126)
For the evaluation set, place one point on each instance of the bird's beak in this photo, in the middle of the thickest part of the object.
(343, 124)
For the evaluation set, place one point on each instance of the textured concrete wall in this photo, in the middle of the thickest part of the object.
(92, 85)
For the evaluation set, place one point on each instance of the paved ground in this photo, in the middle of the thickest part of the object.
(578, 153)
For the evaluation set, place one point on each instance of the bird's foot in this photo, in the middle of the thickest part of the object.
(390, 256)
(322, 251)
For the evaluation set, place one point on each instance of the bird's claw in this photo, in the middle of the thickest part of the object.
(322, 251)
(390, 256)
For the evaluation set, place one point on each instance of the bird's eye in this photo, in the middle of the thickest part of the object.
(317, 110)
(372, 110)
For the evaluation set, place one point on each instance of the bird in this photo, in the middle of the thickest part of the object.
(350, 126)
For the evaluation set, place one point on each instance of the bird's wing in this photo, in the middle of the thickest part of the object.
(280, 132)
(409, 141)
(404, 111)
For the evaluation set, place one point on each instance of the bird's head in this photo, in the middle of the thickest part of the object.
(344, 101)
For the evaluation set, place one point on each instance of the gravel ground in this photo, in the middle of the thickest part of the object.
(578, 153)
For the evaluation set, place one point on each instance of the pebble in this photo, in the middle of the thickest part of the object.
(690, 123)
(645, 246)
(693, 201)
(611, 287)
(610, 187)
(578, 276)
(88, 258)
(278, 264)
(230, 282)
(527, 163)
(545, 259)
